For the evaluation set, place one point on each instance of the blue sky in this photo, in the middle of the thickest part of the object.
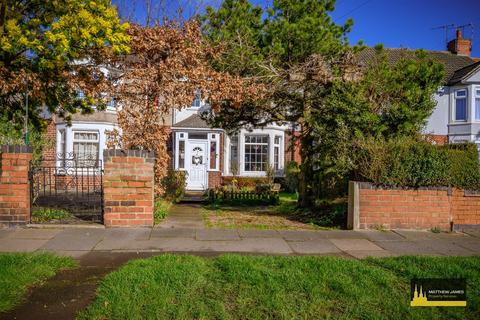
(395, 23)
(409, 23)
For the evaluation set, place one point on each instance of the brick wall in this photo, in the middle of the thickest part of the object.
(128, 188)
(466, 209)
(373, 207)
(437, 139)
(49, 151)
(14, 185)
(292, 147)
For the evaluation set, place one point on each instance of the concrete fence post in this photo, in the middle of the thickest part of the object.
(353, 219)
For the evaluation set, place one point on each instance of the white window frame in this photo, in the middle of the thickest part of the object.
(476, 97)
(180, 136)
(97, 141)
(245, 143)
(196, 98)
(228, 153)
(214, 137)
(456, 97)
(277, 165)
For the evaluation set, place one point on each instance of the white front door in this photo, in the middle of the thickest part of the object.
(197, 165)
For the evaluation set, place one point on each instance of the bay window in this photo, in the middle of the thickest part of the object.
(256, 152)
(461, 105)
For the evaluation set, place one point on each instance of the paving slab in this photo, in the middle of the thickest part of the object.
(472, 244)
(217, 234)
(405, 247)
(426, 235)
(182, 224)
(381, 235)
(34, 233)
(21, 245)
(5, 232)
(265, 245)
(296, 235)
(114, 239)
(165, 245)
(75, 240)
(173, 232)
(362, 254)
(72, 254)
(473, 233)
(343, 234)
(323, 246)
(355, 245)
(253, 233)
(447, 248)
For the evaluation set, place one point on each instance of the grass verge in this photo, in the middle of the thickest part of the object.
(19, 271)
(248, 287)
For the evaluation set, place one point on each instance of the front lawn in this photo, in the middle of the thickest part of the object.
(284, 215)
(19, 271)
(247, 287)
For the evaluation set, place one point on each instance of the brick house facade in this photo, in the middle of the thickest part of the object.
(209, 155)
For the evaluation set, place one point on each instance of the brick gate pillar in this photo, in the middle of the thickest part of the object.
(14, 185)
(128, 188)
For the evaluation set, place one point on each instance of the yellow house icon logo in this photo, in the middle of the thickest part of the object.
(420, 300)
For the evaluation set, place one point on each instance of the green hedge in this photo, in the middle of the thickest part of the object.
(412, 163)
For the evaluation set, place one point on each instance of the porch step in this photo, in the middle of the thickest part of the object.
(193, 197)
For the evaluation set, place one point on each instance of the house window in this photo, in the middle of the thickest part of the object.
(276, 152)
(477, 104)
(256, 152)
(197, 100)
(111, 104)
(181, 154)
(234, 155)
(62, 147)
(213, 151)
(80, 94)
(86, 148)
(461, 105)
(197, 136)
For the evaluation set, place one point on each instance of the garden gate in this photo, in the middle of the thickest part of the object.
(68, 185)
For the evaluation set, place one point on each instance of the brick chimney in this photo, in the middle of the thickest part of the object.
(459, 45)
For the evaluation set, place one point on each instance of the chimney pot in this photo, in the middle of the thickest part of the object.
(459, 34)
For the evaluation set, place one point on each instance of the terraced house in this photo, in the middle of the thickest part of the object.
(208, 154)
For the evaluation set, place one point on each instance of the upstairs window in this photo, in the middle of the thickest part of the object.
(197, 100)
(477, 104)
(461, 105)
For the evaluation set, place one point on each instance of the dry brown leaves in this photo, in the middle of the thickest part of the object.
(168, 63)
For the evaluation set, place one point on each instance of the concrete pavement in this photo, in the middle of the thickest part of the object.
(358, 244)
